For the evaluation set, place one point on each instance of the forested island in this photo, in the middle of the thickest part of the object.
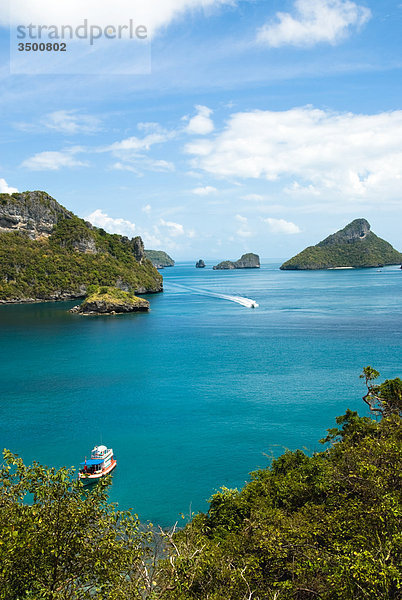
(159, 259)
(355, 246)
(48, 253)
(324, 525)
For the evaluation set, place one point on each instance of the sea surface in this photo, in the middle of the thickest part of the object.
(202, 390)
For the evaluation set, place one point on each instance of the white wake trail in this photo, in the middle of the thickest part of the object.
(247, 302)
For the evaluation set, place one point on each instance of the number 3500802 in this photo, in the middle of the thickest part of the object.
(42, 47)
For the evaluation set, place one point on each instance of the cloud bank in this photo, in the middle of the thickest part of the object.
(311, 152)
(155, 15)
(314, 21)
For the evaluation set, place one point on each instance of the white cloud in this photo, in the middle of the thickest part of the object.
(70, 122)
(296, 189)
(241, 219)
(244, 233)
(253, 197)
(147, 209)
(138, 144)
(204, 191)
(174, 229)
(314, 21)
(151, 240)
(142, 163)
(53, 161)
(149, 126)
(131, 151)
(201, 123)
(167, 235)
(121, 226)
(282, 226)
(5, 188)
(341, 155)
(154, 15)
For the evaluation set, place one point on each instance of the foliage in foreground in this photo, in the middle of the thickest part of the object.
(62, 541)
(325, 526)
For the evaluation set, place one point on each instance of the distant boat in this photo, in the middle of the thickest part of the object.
(100, 464)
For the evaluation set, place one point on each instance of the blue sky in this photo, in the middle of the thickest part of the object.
(263, 126)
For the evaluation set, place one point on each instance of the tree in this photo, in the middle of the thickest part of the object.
(61, 541)
(384, 399)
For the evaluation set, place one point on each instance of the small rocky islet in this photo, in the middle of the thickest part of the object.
(110, 301)
(247, 261)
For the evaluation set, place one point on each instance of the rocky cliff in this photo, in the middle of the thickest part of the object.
(48, 253)
(200, 264)
(247, 261)
(354, 246)
(33, 213)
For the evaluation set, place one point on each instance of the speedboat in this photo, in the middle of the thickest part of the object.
(100, 464)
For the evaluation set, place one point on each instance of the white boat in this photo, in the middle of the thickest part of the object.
(100, 464)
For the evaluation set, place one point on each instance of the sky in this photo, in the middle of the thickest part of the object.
(255, 126)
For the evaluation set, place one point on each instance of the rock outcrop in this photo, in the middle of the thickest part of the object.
(48, 253)
(200, 264)
(34, 213)
(247, 261)
(110, 301)
(355, 246)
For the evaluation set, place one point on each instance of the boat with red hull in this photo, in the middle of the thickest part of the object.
(100, 464)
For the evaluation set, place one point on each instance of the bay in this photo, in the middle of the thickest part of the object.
(202, 390)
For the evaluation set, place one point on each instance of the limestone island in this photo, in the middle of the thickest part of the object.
(48, 253)
(159, 259)
(355, 246)
(200, 264)
(110, 301)
(247, 261)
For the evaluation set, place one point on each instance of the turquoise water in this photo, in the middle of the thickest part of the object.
(196, 393)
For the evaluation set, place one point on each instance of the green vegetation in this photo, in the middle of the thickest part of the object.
(325, 526)
(73, 257)
(159, 258)
(65, 541)
(350, 247)
(225, 264)
(110, 294)
(105, 300)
